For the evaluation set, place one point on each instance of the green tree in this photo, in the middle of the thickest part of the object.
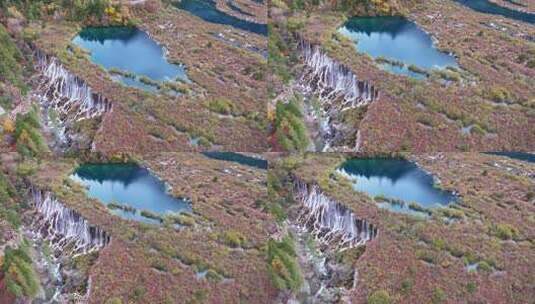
(282, 264)
(379, 297)
(291, 132)
(10, 58)
(20, 277)
(28, 138)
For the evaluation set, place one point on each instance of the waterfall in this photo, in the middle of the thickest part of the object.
(329, 221)
(65, 228)
(67, 93)
(333, 81)
(338, 89)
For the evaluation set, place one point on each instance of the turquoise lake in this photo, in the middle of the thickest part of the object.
(131, 50)
(396, 39)
(129, 185)
(396, 179)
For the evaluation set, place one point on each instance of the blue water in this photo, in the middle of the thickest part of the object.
(523, 156)
(395, 179)
(129, 185)
(398, 39)
(129, 49)
(487, 7)
(207, 11)
(239, 158)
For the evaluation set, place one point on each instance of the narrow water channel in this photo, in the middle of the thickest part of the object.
(523, 156)
(207, 11)
(238, 158)
(487, 7)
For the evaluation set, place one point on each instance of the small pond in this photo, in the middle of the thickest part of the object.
(396, 183)
(131, 55)
(487, 7)
(397, 44)
(239, 158)
(131, 187)
(207, 11)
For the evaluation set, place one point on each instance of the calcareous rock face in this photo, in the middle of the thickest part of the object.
(67, 234)
(330, 222)
(68, 95)
(337, 87)
(338, 90)
(336, 229)
(66, 229)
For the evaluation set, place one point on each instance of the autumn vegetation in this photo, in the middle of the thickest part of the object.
(459, 252)
(90, 11)
(20, 277)
(439, 112)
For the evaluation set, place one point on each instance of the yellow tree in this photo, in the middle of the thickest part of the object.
(8, 125)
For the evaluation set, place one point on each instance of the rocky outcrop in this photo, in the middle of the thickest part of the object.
(67, 231)
(330, 222)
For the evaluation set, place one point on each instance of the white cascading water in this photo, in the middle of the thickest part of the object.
(358, 142)
(332, 81)
(65, 228)
(330, 222)
(65, 92)
(338, 89)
